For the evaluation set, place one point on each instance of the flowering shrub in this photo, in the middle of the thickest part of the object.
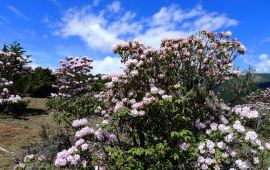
(16, 66)
(65, 110)
(162, 112)
(29, 159)
(11, 66)
(165, 107)
(82, 152)
(259, 100)
(72, 76)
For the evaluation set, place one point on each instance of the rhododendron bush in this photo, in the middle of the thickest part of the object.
(260, 100)
(163, 113)
(75, 94)
(12, 66)
(73, 76)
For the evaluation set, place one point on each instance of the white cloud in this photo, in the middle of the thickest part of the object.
(100, 30)
(263, 57)
(114, 7)
(33, 65)
(17, 12)
(89, 27)
(263, 66)
(108, 65)
(173, 21)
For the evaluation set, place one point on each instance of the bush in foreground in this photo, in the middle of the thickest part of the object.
(162, 112)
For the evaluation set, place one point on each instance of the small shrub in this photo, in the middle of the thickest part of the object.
(17, 109)
(42, 155)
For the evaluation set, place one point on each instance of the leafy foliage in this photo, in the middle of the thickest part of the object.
(13, 68)
(39, 82)
(163, 112)
(236, 88)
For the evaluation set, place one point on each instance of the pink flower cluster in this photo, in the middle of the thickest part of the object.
(246, 112)
(80, 122)
(28, 159)
(72, 76)
(10, 65)
(74, 155)
(232, 136)
(66, 157)
(174, 83)
(144, 67)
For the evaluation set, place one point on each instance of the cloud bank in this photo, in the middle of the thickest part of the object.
(101, 29)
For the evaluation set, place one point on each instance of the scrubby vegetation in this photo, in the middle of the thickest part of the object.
(184, 106)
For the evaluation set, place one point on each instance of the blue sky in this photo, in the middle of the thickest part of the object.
(52, 29)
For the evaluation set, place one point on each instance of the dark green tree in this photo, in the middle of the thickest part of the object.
(39, 82)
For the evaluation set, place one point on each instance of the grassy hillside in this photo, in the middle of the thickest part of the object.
(263, 80)
(17, 132)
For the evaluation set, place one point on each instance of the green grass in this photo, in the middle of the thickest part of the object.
(17, 132)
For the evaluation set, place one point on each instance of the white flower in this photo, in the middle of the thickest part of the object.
(208, 131)
(225, 155)
(79, 122)
(201, 160)
(251, 135)
(167, 97)
(256, 160)
(253, 114)
(79, 142)
(134, 72)
(213, 126)
(242, 164)
(105, 122)
(199, 124)
(223, 119)
(204, 167)
(229, 137)
(201, 146)
(247, 113)
(184, 146)
(209, 161)
(154, 90)
(238, 126)
(84, 146)
(210, 144)
(233, 153)
(221, 145)
(223, 128)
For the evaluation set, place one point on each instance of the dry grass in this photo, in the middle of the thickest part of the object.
(17, 132)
